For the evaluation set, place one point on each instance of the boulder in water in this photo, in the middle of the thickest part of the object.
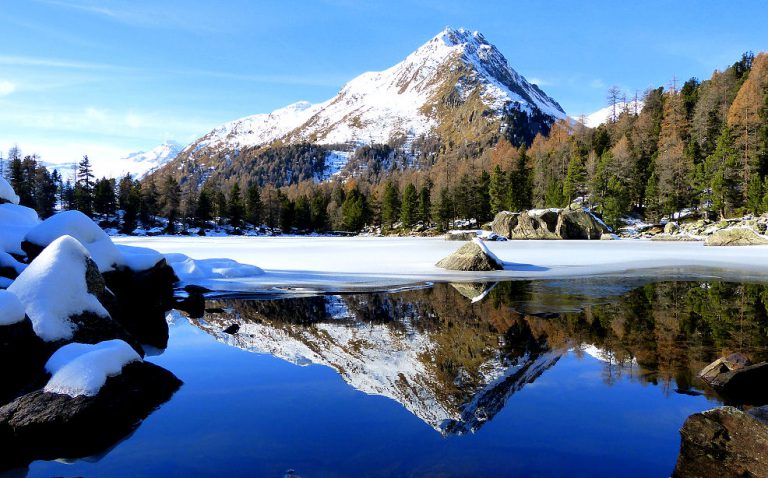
(724, 442)
(472, 256)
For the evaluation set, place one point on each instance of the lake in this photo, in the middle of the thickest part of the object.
(573, 377)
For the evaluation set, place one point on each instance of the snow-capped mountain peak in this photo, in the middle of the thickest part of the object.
(604, 115)
(414, 97)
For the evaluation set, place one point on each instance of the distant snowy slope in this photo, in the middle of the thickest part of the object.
(142, 162)
(606, 114)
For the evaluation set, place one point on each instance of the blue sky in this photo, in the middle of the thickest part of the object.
(109, 77)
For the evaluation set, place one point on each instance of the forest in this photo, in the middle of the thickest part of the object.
(700, 146)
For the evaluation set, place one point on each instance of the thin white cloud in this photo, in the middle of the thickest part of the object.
(9, 60)
(540, 81)
(6, 87)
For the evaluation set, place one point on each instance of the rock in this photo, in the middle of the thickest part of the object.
(474, 291)
(20, 346)
(738, 236)
(460, 236)
(575, 222)
(232, 329)
(653, 230)
(738, 380)
(536, 224)
(671, 228)
(504, 223)
(42, 425)
(607, 237)
(141, 301)
(470, 257)
(724, 443)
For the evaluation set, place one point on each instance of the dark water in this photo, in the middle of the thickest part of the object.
(568, 378)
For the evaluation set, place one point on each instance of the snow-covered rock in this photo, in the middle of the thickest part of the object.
(7, 193)
(54, 288)
(11, 309)
(192, 270)
(82, 369)
(81, 227)
(15, 222)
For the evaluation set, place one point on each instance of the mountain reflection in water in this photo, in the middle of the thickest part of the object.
(453, 354)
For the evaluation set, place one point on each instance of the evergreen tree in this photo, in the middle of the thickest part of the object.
(409, 206)
(390, 206)
(721, 167)
(204, 210)
(443, 209)
(424, 207)
(575, 178)
(45, 192)
(235, 206)
(253, 205)
(104, 200)
(319, 212)
(171, 200)
(498, 190)
(302, 213)
(354, 211)
(84, 187)
(221, 207)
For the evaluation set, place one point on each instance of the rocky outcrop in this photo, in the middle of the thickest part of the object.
(504, 223)
(536, 224)
(43, 425)
(470, 257)
(737, 379)
(724, 443)
(738, 236)
(21, 347)
(141, 299)
(573, 222)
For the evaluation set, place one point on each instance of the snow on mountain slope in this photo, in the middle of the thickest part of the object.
(142, 162)
(401, 100)
(605, 114)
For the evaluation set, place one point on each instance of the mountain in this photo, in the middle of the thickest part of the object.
(604, 115)
(142, 162)
(457, 88)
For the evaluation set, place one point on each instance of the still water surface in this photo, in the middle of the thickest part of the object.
(556, 378)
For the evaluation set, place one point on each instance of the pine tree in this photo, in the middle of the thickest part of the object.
(104, 200)
(253, 205)
(574, 179)
(45, 192)
(204, 211)
(443, 209)
(303, 213)
(390, 206)
(235, 206)
(721, 167)
(425, 206)
(616, 202)
(409, 206)
(84, 187)
(354, 210)
(171, 200)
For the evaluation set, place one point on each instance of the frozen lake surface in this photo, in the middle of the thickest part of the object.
(334, 263)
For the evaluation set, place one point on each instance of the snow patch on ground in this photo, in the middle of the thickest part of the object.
(82, 369)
